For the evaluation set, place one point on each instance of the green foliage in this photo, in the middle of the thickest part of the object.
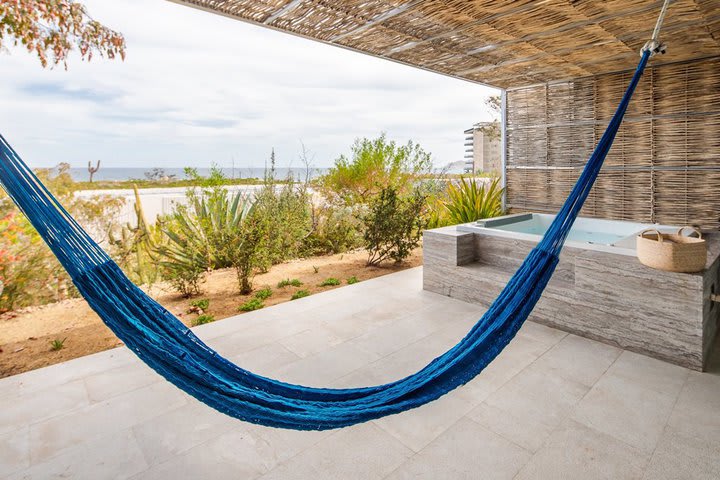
(25, 264)
(252, 304)
(202, 303)
(470, 200)
(283, 213)
(330, 282)
(493, 129)
(247, 250)
(203, 319)
(29, 272)
(336, 229)
(352, 280)
(215, 230)
(300, 294)
(264, 294)
(134, 249)
(374, 165)
(394, 225)
(289, 283)
(57, 344)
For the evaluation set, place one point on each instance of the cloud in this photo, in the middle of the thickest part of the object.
(65, 92)
(199, 88)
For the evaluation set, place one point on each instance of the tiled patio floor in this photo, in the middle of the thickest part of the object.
(552, 406)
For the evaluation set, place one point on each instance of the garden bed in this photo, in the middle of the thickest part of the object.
(26, 335)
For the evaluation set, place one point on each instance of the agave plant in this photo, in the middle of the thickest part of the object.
(202, 235)
(470, 200)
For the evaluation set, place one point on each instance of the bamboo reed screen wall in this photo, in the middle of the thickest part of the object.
(664, 166)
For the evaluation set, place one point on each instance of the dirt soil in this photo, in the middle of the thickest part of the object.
(26, 335)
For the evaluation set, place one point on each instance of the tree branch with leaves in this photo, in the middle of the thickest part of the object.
(53, 28)
(493, 130)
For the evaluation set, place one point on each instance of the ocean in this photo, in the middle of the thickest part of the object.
(121, 173)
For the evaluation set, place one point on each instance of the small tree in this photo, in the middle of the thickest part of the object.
(53, 28)
(394, 225)
(247, 250)
(375, 165)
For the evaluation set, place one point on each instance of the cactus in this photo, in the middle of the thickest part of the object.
(137, 246)
(93, 170)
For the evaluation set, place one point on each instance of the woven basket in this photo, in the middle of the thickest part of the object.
(672, 252)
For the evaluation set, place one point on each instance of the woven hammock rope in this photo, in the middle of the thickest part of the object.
(170, 348)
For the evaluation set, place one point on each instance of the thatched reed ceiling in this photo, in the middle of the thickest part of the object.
(505, 43)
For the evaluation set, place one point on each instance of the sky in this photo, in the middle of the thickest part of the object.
(198, 89)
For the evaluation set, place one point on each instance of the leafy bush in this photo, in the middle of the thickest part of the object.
(336, 229)
(352, 280)
(202, 303)
(264, 294)
(215, 230)
(184, 264)
(300, 294)
(373, 166)
(29, 273)
(394, 225)
(252, 304)
(203, 319)
(247, 250)
(470, 200)
(283, 213)
(289, 283)
(330, 282)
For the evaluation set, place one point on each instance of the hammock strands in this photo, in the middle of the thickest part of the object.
(171, 349)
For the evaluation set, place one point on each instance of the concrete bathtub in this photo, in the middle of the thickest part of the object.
(600, 290)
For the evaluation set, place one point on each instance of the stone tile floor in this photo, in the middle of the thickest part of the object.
(551, 406)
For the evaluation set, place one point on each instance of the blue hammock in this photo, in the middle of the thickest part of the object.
(171, 349)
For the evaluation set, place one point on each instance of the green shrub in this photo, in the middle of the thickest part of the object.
(264, 294)
(184, 268)
(330, 282)
(469, 200)
(300, 294)
(57, 344)
(394, 225)
(336, 229)
(202, 303)
(252, 304)
(29, 273)
(374, 165)
(248, 250)
(289, 283)
(203, 319)
(284, 214)
(352, 280)
(215, 230)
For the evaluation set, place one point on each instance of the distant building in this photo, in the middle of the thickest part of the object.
(482, 149)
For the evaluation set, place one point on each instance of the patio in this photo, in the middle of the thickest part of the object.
(552, 405)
